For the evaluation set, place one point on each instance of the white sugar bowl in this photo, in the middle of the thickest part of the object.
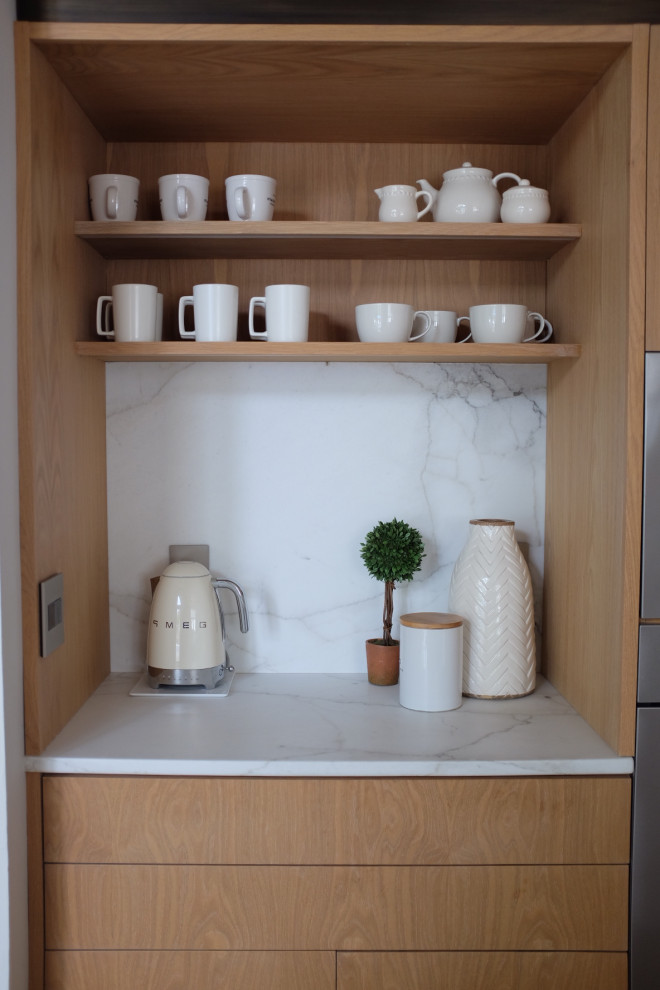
(523, 203)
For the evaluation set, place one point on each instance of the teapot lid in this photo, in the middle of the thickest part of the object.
(468, 170)
(186, 569)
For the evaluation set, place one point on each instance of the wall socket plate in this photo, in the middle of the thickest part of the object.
(51, 611)
(190, 551)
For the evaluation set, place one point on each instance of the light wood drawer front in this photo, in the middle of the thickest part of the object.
(482, 971)
(305, 907)
(201, 970)
(394, 820)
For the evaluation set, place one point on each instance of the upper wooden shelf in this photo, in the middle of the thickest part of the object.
(357, 83)
(318, 239)
(417, 352)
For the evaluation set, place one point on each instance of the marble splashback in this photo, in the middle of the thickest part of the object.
(283, 468)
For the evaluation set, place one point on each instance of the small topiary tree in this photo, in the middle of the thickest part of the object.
(392, 552)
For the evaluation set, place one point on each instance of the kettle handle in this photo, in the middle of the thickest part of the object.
(506, 175)
(237, 591)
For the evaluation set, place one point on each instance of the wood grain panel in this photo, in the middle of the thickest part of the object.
(482, 971)
(201, 970)
(338, 286)
(297, 82)
(61, 400)
(593, 509)
(653, 198)
(192, 820)
(341, 907)
(35, 881)
(327, 181)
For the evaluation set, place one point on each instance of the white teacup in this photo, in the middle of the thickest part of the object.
(250, 197)
(215, 312)
(444, 324)
(506, 323)
(113, 197)
(390, 323)
(134, 309)
(287, 313)
(183, 196)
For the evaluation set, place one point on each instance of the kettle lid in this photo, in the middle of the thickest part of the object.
(186, 569)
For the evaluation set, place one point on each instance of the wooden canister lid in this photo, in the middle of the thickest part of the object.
(431, 620)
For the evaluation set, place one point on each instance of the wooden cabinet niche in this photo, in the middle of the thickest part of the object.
(334, 112)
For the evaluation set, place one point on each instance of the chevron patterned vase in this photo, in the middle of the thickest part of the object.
(492, 590)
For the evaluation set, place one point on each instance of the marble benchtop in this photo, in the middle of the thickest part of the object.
(323, 725)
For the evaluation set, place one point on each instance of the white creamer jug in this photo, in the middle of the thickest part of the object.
(399, 203)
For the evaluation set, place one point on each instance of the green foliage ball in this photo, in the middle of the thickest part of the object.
(392, 551)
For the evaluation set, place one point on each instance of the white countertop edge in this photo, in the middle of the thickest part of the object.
(617, 766)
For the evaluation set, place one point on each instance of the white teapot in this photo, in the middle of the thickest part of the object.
(523, 203)
(467, 195)
(399, 203)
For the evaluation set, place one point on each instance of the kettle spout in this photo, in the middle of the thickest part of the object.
(427, 187)
(379, 193)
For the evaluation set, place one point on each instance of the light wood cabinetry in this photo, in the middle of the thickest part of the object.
(335, 112)
(144, 866)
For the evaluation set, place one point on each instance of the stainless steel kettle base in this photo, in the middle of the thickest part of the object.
(205, 677)
(143, 689)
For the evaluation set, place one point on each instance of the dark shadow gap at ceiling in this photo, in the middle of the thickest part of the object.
(344, 11)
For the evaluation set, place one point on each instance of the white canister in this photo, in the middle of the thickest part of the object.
(431, 661)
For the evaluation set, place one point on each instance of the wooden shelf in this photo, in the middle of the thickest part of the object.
(418, 353)
(318, 239)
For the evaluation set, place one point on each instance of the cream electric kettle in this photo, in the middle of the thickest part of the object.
(186, 638)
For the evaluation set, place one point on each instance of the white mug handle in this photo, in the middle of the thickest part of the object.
(104, 331)
(112, 202)
(182, 202)
(427, 318)
(469, 335)
(183, 302)
(241, 203)
(543, 323)
(256, 334)
(429, 203)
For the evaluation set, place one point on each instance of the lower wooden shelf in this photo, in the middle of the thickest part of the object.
(418, 353)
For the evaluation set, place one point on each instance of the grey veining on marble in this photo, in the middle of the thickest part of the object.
(283, 468)
(324, 725)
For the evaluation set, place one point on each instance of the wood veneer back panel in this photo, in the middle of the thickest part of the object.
(595, 406)
(192, 820)
(337, 907)
(61, 400)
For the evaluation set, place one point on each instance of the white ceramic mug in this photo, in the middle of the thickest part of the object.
(183, 196)
(506, 323)
(113, 197)
(134, 308)
(390, 323)
(444, 324)
(215, 312)
(250, 197)
(287, 313)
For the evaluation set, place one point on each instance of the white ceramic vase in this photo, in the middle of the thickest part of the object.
(492, 590)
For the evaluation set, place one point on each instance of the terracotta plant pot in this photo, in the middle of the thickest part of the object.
(382, 662)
